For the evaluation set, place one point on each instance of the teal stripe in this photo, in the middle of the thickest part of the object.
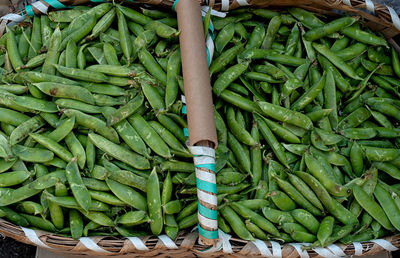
(97, 1)
(208, 56)
(206, 186)
(208, 234)
(185, 132)
(208, 213)
(207, 166)
(184, 111)
(29, 11)
(174, 5)
(56, 4)
(22, 13)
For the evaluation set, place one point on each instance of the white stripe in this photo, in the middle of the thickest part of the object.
(225, 5)
(91, 245)
(242, 2)
(40, 6)
(201, 160)
(167, 242)
(358, 248)
(395, 17)
(138, 243)
(210, 47)
(226, 245)
(336, 250)
(324, 252)
(370, 6)
(276, 249)
(206, 176)
(210, 223)
(204, 10)
(201, 150)
(347, 2)
(183, 99)
(263, 248)
(385, 244)
(13, 17)
(31, 235)
(207, 197)
(299, 248)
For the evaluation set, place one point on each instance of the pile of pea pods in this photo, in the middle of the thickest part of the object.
(307, 111)
(92, 135)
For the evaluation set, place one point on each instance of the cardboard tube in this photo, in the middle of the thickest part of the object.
(196, 76)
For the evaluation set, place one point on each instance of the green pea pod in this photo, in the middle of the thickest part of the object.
(285, 115)
(119, 152)
(364, 36)
(236, 223)
(225, 58)
(271, 55)
(173, 70)
(240, 152)
(127, 195)
(337, 61)
(78, 188)
(388, 204)
(306, 219)
(395, 62)
(110, 54)
(329, 28)
(32, 154)
(154, 203)
(305, 190)
(52, 53)
(325, 229)
(380, 154)
(152, 66)
(76, 149)
(168, 137)
(224, 36)
(272, 29)
(52, 145)
(13, 178)
(80, 74)
(309, 95)
(13, 52)
(354, 119)
(228, 76)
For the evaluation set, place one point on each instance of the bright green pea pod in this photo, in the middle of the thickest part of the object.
(12, 50)
(356, 159)
(152, 66)
(78, 188)
(380, 154)
(152, 139)
(272, 29)
(371, 207)
(94, 124)
(388, 168)
(167, 136)
(354, 119)
(329, 28)
(352, 51)
(325, 229)
(35, 62)
(22, 131)
(173, 70)
(305, 190)
(162, 30)
(32, 154)
(36, 104)
(340, 44)
(309, 95)
(76, 149)
(106, 198)
(119, 152)
(71, 53)
(71, 203)
(13, 178)
(236, 223)
(166, 190)
(172, 207)
(154, 203)
(39, 222)
(224, 36)
(80, 74)
(228, 76)
(30, 207)
(285, 115)
(133, 218)
(225, 58)
(388, 204)
(364, 36)
(380, 69)
(153, 96)
(126, 110)
(98, 217)
(240, 133)
(52, 145)
(306, 219)
(337, 61)
(62, 130)
(56, 215)
(52, 53)
(110, 54)
(341, 83)
(76, 224)
(241, 153)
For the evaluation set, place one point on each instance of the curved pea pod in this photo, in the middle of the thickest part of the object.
(153, 96)
(13, 178)
(228, 76)
(65, 91)
(80, 74)
(225, 58)
(276, 216)
(36, 104)
(62, 130)
(240, 152)
(52, 146)
(236, 223)
(364, 36)
(152, 139)
(281, 200)
(133, 218)
(369, 204)
(285, 115)
(306, 219)
(94, 124)
(78, 188)
(224, 36)
(271, 55)
(173, 69)
(76, 224)
(325, 229)
(126, 110)
(110, 55)
(331, 205)
(297, 196)
(12, 47)
(388, 204)
(127, 195)
(6, 165)
(152, 66)
(256, 37)
(354, 119)
(388, 168)
(22, 131)
(12, 117)
(380, 69)
(239, 101)
(386, 109)
(380, 154)
(154, 203)
(76, 149)
(305, 190)
(359, 133)
(272, 29)
(309, 95)
(356, 159)
(34, 62)
(352, 51)
(329, 28)
(32, 154)
(102, 25)
(328, 138)
(30, 207)
(118, 152)
(337, 61)
(168, 137)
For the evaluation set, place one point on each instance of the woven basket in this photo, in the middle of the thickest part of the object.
(378, 17)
